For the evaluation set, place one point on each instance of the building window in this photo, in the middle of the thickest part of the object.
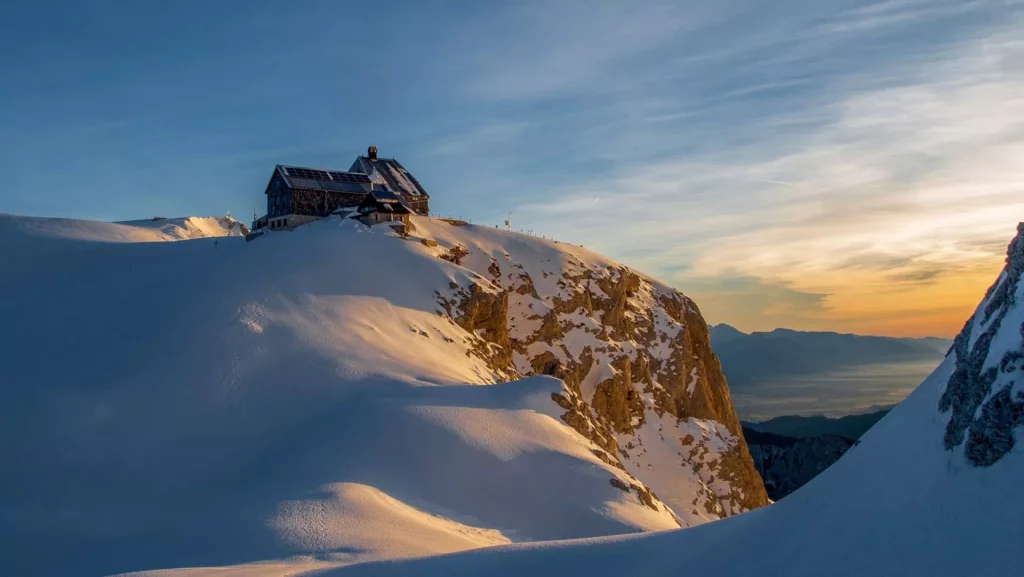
(284, 222)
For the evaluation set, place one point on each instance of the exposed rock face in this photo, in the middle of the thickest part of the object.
(788, 463)
(984, 395)
(643, 383)
(483, 313)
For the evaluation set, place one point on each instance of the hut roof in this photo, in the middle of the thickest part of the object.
(318, 179)
(384, 201)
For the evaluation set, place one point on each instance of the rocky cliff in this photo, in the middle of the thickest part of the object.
(643, 382)
(984, 397)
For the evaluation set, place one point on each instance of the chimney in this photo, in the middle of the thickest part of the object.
(372, 152)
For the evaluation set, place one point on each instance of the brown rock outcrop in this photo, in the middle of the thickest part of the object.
(643, 382)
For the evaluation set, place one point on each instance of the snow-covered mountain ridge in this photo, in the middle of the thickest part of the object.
(985, 394)
(151, 230)
(315, 397)
(933, 489)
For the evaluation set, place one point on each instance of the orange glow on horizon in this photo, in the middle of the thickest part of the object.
(869, 303)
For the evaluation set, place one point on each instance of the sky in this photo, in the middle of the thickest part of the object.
(840, 165)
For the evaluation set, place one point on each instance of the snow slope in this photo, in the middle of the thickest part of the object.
(296, 399)
(934, 489)
(190, 227)
(14, 228)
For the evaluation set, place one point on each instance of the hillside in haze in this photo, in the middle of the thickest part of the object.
(750, 358)
(339, 394)
(933, 489)
(787, 372)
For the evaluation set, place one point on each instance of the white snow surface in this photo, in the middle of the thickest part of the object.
(221, 407)
(897, 504)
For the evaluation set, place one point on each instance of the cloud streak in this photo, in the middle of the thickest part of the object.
(898, 171)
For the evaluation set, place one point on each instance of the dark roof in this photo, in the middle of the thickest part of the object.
(365, 173)
(384, 201)
(317, 179)
(392, 172)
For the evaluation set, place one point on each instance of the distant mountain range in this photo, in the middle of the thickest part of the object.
(751, 358)
(788, 451)
(850, 426)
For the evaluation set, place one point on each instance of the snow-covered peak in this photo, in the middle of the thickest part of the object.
(150, 230)
(933, 489)
(191, 227)
(984, 396)
(340, 393)
(635, 353)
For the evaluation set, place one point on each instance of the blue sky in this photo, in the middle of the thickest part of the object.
(830, 165)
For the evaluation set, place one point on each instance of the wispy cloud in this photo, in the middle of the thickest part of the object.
(734, 297)
(540, 50)
(886, 172)
(921, 275)
(488, 136)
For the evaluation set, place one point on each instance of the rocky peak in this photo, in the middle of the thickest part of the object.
(642, 381)
(984, 395)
